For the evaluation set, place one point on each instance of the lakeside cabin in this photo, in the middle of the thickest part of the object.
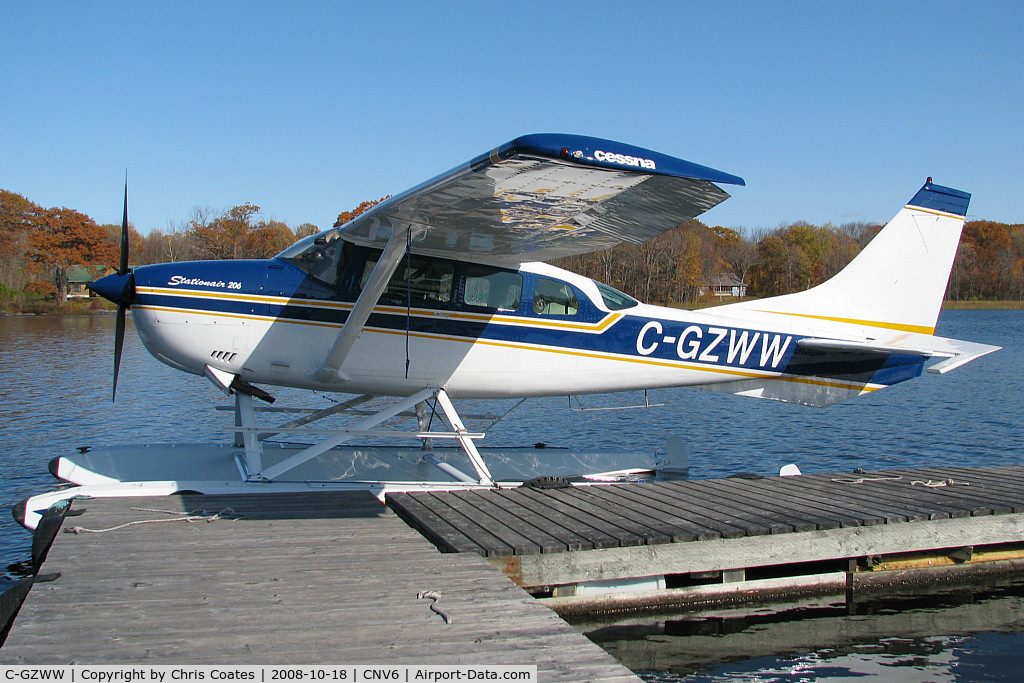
(724, 285)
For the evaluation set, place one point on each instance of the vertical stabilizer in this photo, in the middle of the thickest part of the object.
(898, 281)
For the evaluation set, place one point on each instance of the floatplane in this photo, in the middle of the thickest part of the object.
(442, 293)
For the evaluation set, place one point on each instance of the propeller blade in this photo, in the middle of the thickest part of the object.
(118, 343)
(127, 293)
(122, 267)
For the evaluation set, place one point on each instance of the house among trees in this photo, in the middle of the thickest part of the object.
(726, 284)
(80, 276)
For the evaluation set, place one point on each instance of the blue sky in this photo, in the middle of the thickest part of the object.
(832, 112)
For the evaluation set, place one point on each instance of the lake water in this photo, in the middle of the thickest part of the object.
(55, 377)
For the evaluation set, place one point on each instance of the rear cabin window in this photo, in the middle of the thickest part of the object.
(551, 297)
(424, 281)
(488, 287)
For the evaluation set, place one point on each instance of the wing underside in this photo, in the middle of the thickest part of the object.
(543, 197)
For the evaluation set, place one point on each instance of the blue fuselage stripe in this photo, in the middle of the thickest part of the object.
(629, 337)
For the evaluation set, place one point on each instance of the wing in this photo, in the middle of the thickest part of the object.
(545, 196)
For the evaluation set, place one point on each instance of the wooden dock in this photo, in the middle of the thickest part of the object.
(603, 547)
(333, 578)
(316, 578)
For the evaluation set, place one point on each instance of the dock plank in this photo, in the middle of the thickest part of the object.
(769, 504)
(570, 521)
(753, 521)
(824, 511)
(857, 489)
(572, 541)
(666, 519)
(527, 528)
(699, 512)
(584, 517)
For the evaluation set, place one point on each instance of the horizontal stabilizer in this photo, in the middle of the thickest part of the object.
(956, 351)
(965, 352)
(825, 391)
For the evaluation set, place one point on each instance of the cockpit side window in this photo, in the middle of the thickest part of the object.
(489, 287)
(322, 256)
(551, 297)
(424, 281)
(614, 299)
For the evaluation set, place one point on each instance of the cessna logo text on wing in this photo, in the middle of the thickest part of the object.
(624, 160)
(696, 343)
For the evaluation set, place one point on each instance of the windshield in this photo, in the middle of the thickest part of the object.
(323, 256)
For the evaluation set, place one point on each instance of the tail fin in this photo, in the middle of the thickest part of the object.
(898, 280)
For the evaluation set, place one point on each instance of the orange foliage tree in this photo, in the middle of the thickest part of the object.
(64, 238)
(237, 234)
(17, 216)
(345, 216)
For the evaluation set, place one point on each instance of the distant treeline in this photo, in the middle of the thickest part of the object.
(678, 267)
(40, 246)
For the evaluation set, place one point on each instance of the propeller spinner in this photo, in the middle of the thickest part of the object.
(119, 288)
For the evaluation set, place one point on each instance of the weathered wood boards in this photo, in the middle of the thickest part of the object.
(632, 530)
(296, 578)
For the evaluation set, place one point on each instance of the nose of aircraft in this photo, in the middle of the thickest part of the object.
(117, 288)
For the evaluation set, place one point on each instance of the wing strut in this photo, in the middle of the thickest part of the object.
(379, 278)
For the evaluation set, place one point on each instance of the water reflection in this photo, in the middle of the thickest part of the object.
(892, 640)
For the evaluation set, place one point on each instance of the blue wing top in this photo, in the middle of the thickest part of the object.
(607, 154)
(545, 196)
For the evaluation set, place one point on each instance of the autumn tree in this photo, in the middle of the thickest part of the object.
(989, 263)
(345, 216)
(17, 216)
(305, 230)
(739, 253)
(268, 239)
(135, 241)
(237, 234)
(63, 238)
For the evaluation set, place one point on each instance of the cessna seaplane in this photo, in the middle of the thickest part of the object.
(443, 293)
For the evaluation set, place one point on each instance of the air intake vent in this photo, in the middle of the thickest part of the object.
(226, 356)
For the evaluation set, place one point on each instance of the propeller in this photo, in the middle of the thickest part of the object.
(122, 309)
(119, 288)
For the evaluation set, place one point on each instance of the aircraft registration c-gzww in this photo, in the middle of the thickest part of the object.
(442, 292)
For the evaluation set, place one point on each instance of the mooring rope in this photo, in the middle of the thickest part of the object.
(942, 482)
(930, 483)
(200, 515)
(861, 480)
(434, 596)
